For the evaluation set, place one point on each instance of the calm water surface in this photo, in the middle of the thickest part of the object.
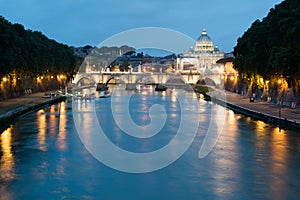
(42, 157)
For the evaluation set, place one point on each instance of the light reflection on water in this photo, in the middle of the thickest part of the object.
(62, 132)
(279, 158)
(43, 158)
(42, 127)
(7, 158)
(7, 163)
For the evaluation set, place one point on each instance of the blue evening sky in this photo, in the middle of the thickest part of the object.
(82, 22)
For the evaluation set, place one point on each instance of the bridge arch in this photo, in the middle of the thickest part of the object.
(112, 80)
(206, 81)
(115, 80)
(176, 80)
(201, 81)
(145, 80)
(83, 81)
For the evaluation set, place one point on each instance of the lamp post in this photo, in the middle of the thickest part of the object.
(280, 97)
(279, 112)
(63, 82)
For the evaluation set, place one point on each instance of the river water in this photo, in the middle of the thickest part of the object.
(43, 157)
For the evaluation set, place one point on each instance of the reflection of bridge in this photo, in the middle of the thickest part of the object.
(92, 78)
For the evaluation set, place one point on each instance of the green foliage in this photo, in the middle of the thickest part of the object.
(30, 53)
(202, 89)
(272, 46)
(125, 65)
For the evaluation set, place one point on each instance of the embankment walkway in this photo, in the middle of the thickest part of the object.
(262, 110)
(11, 108)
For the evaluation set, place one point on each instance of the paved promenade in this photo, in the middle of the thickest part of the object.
(9, 105)
(257, 106)
(12, 108)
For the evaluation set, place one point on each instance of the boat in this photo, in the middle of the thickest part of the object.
(47, 96)
(101, 87)
(104, 94)
(160, 87)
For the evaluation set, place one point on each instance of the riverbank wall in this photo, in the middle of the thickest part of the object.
(10, 116)
(271, 119)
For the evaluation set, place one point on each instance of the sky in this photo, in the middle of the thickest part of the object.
(89, 22)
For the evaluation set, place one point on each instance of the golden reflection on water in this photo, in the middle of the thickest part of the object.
(260, 136)
(86, 118)
(231, 129)
(163, 95)
(173, 97)
(173, 104)
(7, 159)
(273, 141)
(278, 155)
(53, 120)
(61, 143)
(227, 159)
(55, 124)
(42, 127)
(279, 150)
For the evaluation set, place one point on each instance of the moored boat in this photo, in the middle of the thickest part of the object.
(101, 87)
(104, 94)
(160, 87)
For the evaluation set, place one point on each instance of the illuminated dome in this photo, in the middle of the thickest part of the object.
(202, 57)
(204, 43)
(204, 37)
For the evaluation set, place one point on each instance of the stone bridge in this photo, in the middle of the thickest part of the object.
(92, 78)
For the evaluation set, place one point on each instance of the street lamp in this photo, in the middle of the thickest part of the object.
(62, 80)
(280, 96)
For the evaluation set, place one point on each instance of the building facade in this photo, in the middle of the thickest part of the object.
(201, 58)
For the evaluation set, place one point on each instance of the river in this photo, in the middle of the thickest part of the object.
(43, 156)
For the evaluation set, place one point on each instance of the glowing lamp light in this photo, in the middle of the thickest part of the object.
(279, 81)
(261, 80)
(4, 79)
(232, 78)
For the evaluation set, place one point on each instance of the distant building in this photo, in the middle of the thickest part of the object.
(227, 64)
(202, 58)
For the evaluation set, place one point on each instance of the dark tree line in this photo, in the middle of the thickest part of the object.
(271, 48)
(30, 54)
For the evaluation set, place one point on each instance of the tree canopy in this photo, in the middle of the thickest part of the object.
(271, 47)
(30, 53)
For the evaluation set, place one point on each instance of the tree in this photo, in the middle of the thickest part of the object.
(272, 46)
(26, 53)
